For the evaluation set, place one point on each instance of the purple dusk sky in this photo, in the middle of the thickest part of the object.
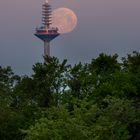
(109, 26)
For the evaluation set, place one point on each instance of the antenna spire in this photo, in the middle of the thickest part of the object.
(46, 14)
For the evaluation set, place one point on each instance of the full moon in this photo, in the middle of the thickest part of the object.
(64, 19)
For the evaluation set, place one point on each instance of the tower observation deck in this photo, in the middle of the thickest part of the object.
(46, 33)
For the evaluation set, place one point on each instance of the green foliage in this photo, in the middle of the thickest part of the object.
(7, 83)
(86, 121)
(57, 125)
(132, 62)
(95, 101)
(49, 80)
(10, 123)
(105, 64)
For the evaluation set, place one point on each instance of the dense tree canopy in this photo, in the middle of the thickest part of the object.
(95, 101)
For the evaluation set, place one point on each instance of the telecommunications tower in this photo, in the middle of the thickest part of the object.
(46, 33)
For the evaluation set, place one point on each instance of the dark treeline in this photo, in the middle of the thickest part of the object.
(95, 101)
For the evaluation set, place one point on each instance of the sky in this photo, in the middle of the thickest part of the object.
(109, 26)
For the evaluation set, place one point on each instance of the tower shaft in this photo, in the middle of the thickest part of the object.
(46, 48)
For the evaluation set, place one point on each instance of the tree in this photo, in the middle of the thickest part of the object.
(105, 64)
(132, 62)
(57, 125)
(87, 121)
(95, 101)
(8, 81)
(11, 120)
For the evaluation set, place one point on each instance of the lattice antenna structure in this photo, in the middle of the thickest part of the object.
(46, 14)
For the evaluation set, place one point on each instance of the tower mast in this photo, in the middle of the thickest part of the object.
(46, 32)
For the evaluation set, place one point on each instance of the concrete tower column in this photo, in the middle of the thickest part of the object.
(47, 48)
